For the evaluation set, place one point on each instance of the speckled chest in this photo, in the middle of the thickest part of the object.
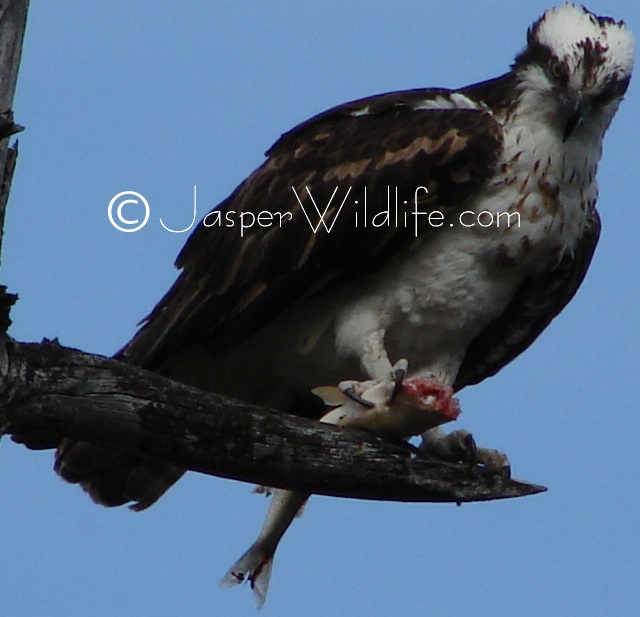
(545, 186)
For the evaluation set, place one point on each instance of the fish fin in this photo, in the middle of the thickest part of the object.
(254, 566)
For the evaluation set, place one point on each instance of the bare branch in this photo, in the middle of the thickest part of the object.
(51, 391)
(13, 21)
(13, 18)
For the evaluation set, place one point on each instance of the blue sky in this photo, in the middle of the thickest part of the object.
(156, 97)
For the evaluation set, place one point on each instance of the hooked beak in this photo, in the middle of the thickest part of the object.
(574, 115)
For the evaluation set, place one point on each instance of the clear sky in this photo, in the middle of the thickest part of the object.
(158, 96)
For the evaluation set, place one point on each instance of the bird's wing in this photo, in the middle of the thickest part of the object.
(231, 285)
(538, 300)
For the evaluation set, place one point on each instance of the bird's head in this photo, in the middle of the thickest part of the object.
(576, 67)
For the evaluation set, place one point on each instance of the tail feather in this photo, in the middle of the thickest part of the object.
(113, 478)
(254, 566)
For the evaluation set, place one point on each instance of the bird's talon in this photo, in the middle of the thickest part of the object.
(461, 446)
(399, 375)
(471, 450)
(495, 461)
(354, 396)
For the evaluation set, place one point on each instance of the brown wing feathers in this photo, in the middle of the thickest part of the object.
(537, 302)
(230, 285)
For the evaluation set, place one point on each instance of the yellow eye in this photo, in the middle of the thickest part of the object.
(557, 70)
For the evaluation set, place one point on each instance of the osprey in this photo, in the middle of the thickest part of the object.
(406, 283)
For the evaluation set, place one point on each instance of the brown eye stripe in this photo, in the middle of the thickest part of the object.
(613, 90)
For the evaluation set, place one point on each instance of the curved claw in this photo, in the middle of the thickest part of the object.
(495, 461)
(398, 377)
(470, 449)
(400, 371)
(354, 396)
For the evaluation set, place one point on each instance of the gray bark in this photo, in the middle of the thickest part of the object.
(52, 392)
(13, 19)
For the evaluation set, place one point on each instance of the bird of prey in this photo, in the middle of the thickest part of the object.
(378, 270)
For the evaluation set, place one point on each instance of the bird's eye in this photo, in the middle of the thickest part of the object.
(557, 70)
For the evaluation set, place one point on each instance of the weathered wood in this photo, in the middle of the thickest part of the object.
(51, 391)
(13, 19)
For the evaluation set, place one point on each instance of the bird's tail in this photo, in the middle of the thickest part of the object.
(112, 478)
(254, 566)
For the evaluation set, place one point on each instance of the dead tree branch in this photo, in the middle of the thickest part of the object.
(13, 22)
(13, 19)
(51, 391)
